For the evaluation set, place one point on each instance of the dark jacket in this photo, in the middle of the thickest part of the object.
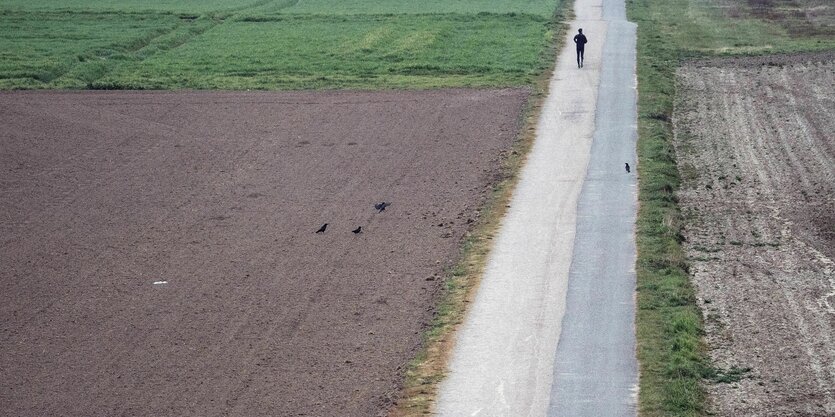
(580, 40)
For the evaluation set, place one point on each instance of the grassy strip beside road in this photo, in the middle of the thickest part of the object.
(669, 324)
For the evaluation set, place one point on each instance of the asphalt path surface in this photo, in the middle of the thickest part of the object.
(551, 331)
(596, 371)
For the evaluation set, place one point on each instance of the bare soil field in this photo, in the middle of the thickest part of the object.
(756, 152)
(159, 257)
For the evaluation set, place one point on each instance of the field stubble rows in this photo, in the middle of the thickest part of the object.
(757, 161)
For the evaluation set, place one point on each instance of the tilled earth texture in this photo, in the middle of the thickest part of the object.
(159, 254)
(756, 150)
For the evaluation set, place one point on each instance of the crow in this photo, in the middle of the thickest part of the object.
(357, 231)
(381, 206)
(627, 167)
(322, 229)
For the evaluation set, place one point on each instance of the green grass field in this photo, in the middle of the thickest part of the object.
(322, 7)
(671, 352)
(131, 6)
(365, 52)
(41, 50)
(273, 44)
(543, 8)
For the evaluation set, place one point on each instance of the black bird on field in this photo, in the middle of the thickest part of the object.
(357, 231)
(322, 229)
(627, 167)
(381, 206)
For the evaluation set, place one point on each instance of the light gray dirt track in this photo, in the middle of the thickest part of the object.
(756, 152)
(219, 195)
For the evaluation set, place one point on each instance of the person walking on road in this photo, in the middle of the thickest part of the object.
(580, 40)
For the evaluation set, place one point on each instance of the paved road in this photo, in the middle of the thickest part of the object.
(551, 328)
(596, 372)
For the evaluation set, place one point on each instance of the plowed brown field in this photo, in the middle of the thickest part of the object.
(159, 257)
(756, 151)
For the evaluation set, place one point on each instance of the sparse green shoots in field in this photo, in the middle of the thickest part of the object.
(727, 376)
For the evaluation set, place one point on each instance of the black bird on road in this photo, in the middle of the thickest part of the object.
(322, 229)
(627, 167)
(381, 206)
(357, 231)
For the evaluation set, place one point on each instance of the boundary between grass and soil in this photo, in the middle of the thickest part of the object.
(424, 373)
(670, 349)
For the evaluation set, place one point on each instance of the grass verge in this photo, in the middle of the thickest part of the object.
(423, 375)
(671, 351)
